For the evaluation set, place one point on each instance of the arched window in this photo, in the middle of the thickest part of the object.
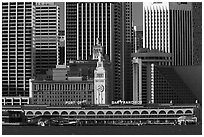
(109, 113)
(171, 112)
(46, 113)
(72, 113)
(38, 113)
(136, 113)
(144, 112)
(30, 113)
(118, 113)
(188, 112)
(179, 112)
(162, 112)
(90, 113)
(81, 113)
(55, 113)
(100, 113)
(153, 112)
(64, 113)
(127, 113)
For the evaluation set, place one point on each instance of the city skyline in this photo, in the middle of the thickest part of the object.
(101, 64)
(109, 24)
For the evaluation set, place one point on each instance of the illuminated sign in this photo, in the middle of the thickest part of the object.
(74, 102)
(126, 102)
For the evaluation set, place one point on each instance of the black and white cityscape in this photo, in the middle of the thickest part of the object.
(80, 67)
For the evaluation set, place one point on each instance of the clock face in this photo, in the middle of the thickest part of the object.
(100, 88)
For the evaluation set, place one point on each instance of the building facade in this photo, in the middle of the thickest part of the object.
(168, 28)
(111, 24)
(61, 93)
(127, 49)
(155, 83)
(46, 37)
(87, 22)
(17, 18)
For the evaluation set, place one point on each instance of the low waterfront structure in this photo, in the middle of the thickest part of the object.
(118, 114)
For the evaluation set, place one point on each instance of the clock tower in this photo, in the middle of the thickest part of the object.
(100, 81)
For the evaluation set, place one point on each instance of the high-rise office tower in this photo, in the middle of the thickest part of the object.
(127, 49)
(197, 32)
(16, 48)
(168, 28)
(85, 22)
(46, 40)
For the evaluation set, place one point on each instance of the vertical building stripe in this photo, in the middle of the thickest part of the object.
(90, 27)
(16, 46)
(82, 32)
(86, 35)
(98, 23)
(102, 23)
(78, 31)
(94, 24)
(106, 29)
(110, 32)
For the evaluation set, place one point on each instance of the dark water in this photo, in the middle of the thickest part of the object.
(104, 130)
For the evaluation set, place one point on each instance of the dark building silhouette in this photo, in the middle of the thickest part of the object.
(61, 48)
(155, 83)
(197, 32)
(127, 49)
(46, 37)
(169, 87)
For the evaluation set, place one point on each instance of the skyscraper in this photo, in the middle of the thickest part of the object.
(16, 48)
(127, 49)
(46, 40)
(85, 22)
(168, 28)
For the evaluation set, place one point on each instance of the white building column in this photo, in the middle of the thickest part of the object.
(137, 80)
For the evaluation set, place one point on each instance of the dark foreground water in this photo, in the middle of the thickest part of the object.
(104, 130)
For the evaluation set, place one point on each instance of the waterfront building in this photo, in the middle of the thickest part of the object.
(61, 93)
(46, 37)
(155, 83)
(113, 115)
(100, 77)
(168, 27)
(17, 18)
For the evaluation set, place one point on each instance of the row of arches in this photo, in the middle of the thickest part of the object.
(162, 112)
